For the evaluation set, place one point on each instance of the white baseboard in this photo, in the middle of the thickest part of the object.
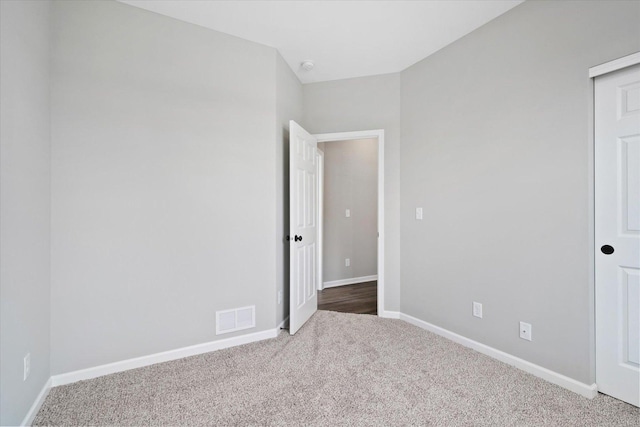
(350, 281)
(283, 325)
(389, 314)
(588, 391)
(152, 359)
(37, 404)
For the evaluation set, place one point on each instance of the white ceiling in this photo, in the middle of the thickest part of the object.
(343, 38)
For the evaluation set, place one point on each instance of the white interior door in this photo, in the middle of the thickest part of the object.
(617, 233)
(303, 202)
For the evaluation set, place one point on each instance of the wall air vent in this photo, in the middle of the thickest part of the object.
(235, 319)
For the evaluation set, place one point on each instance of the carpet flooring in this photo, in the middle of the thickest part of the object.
(339, 369)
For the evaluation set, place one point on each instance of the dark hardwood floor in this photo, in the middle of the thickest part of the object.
(361, 298)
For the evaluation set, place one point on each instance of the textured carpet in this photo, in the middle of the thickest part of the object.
(339, 369)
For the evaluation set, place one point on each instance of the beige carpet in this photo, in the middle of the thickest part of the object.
(340, 369)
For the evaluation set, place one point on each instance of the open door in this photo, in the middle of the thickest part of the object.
(303, 200)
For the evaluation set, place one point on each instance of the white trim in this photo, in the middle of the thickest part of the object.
(37, 404)
(588, 391)
(319, 237)
(379, 134)
(615, 65)
(390, 314)
(350, 281)
(152, 359)
(591, 228)
(283, 325)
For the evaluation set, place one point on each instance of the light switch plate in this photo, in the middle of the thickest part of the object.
(418, 213)
(477, 309)
(347, 213)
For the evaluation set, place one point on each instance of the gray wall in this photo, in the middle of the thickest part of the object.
(164, 183)
(495, 142)
(362, 104)
(288, 107)
(25, 204)
(350, 182)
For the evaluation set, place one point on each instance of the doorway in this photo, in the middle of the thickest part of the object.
(347, 226)
(304, 257)
(348, 282)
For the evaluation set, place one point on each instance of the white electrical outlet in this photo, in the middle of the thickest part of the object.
(525, 331)
(347, 262)
(418, 213)
(477, 309)
(279, 297)
(27, 366)
(347, 213)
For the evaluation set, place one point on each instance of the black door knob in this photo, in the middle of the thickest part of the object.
(607, 249)
(297, 238)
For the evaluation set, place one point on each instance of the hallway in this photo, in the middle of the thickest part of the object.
(361, 298)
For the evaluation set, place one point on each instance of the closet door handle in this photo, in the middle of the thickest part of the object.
(607, 249)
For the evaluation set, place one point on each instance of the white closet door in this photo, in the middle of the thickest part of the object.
(617, 233)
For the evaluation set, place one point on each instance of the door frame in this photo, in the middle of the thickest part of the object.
(379, 135)
(595, 71)
(319, 239)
